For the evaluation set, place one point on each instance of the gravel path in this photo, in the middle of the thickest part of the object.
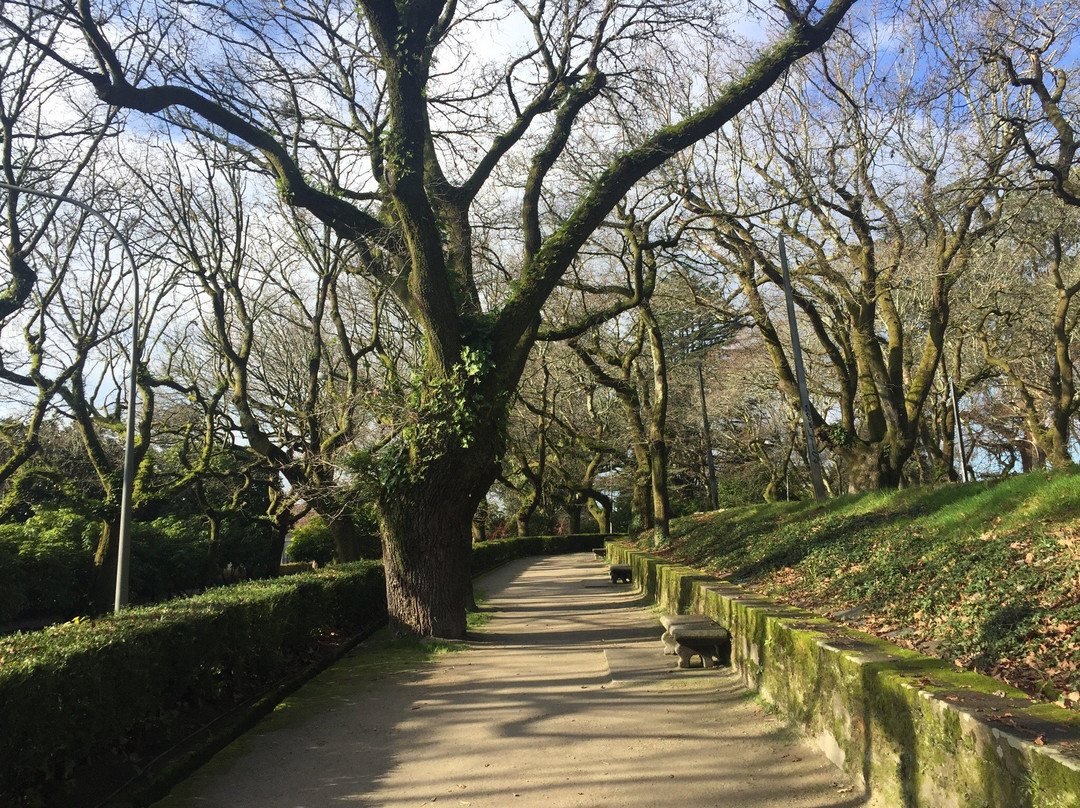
(563, 699)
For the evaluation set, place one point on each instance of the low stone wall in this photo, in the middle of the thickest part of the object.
(913, 731)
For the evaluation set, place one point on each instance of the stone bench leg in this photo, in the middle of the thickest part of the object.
(670, 644)
(708, 654)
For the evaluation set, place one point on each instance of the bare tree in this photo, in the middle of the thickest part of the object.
(885, 206)
(1024, 317)
(1030, 46)
(40, 150)
(284, 331)
(292, 84)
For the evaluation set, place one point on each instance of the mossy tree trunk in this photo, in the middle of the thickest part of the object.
(106, 556)
(600, 509)
(426, 515)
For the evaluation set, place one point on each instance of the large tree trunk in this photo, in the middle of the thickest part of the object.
(601, 512)
(211, 570)
(872, 466)
(1032, 457)
(349, 543)
(426, 520)
(427, 544)
(573, 518)
(281, 524)
(658, 463)
(864, 468)
(525, 513)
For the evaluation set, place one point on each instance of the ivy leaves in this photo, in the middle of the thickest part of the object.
(444, 416)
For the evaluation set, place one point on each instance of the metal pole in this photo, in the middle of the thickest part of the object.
(959, 432)
(713, 499)
(123, 560)
(820, 494)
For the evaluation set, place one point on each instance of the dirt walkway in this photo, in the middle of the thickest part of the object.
(563, 699)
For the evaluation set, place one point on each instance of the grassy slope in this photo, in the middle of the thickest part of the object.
(985, 574)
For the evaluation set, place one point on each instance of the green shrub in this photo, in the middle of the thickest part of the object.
(78, 690)
(312, 542)
(168, 556)
(56, 560)
(249, 543)
(12, 590)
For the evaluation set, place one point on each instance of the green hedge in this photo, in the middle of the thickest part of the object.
(78, 690)
(490, 554)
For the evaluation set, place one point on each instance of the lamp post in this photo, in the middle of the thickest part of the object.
(812, 458)
(714, 501)
(124, 539)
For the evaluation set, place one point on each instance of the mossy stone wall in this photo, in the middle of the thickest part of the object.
(912, 731)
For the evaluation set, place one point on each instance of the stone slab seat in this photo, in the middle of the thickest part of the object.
(669, 621)
(710, 642)
(620, 572)
(600, 552)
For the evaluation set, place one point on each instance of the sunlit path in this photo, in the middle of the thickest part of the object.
(563, 699)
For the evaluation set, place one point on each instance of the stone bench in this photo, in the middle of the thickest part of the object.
(600, 552)
(689, 635)
(620, 572)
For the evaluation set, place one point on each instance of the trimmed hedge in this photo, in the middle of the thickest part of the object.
(79, 690)
(490, 554)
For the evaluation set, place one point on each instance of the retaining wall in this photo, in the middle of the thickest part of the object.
(913, 731)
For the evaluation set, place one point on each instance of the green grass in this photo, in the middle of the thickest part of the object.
(480, 616)
(986, 575)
